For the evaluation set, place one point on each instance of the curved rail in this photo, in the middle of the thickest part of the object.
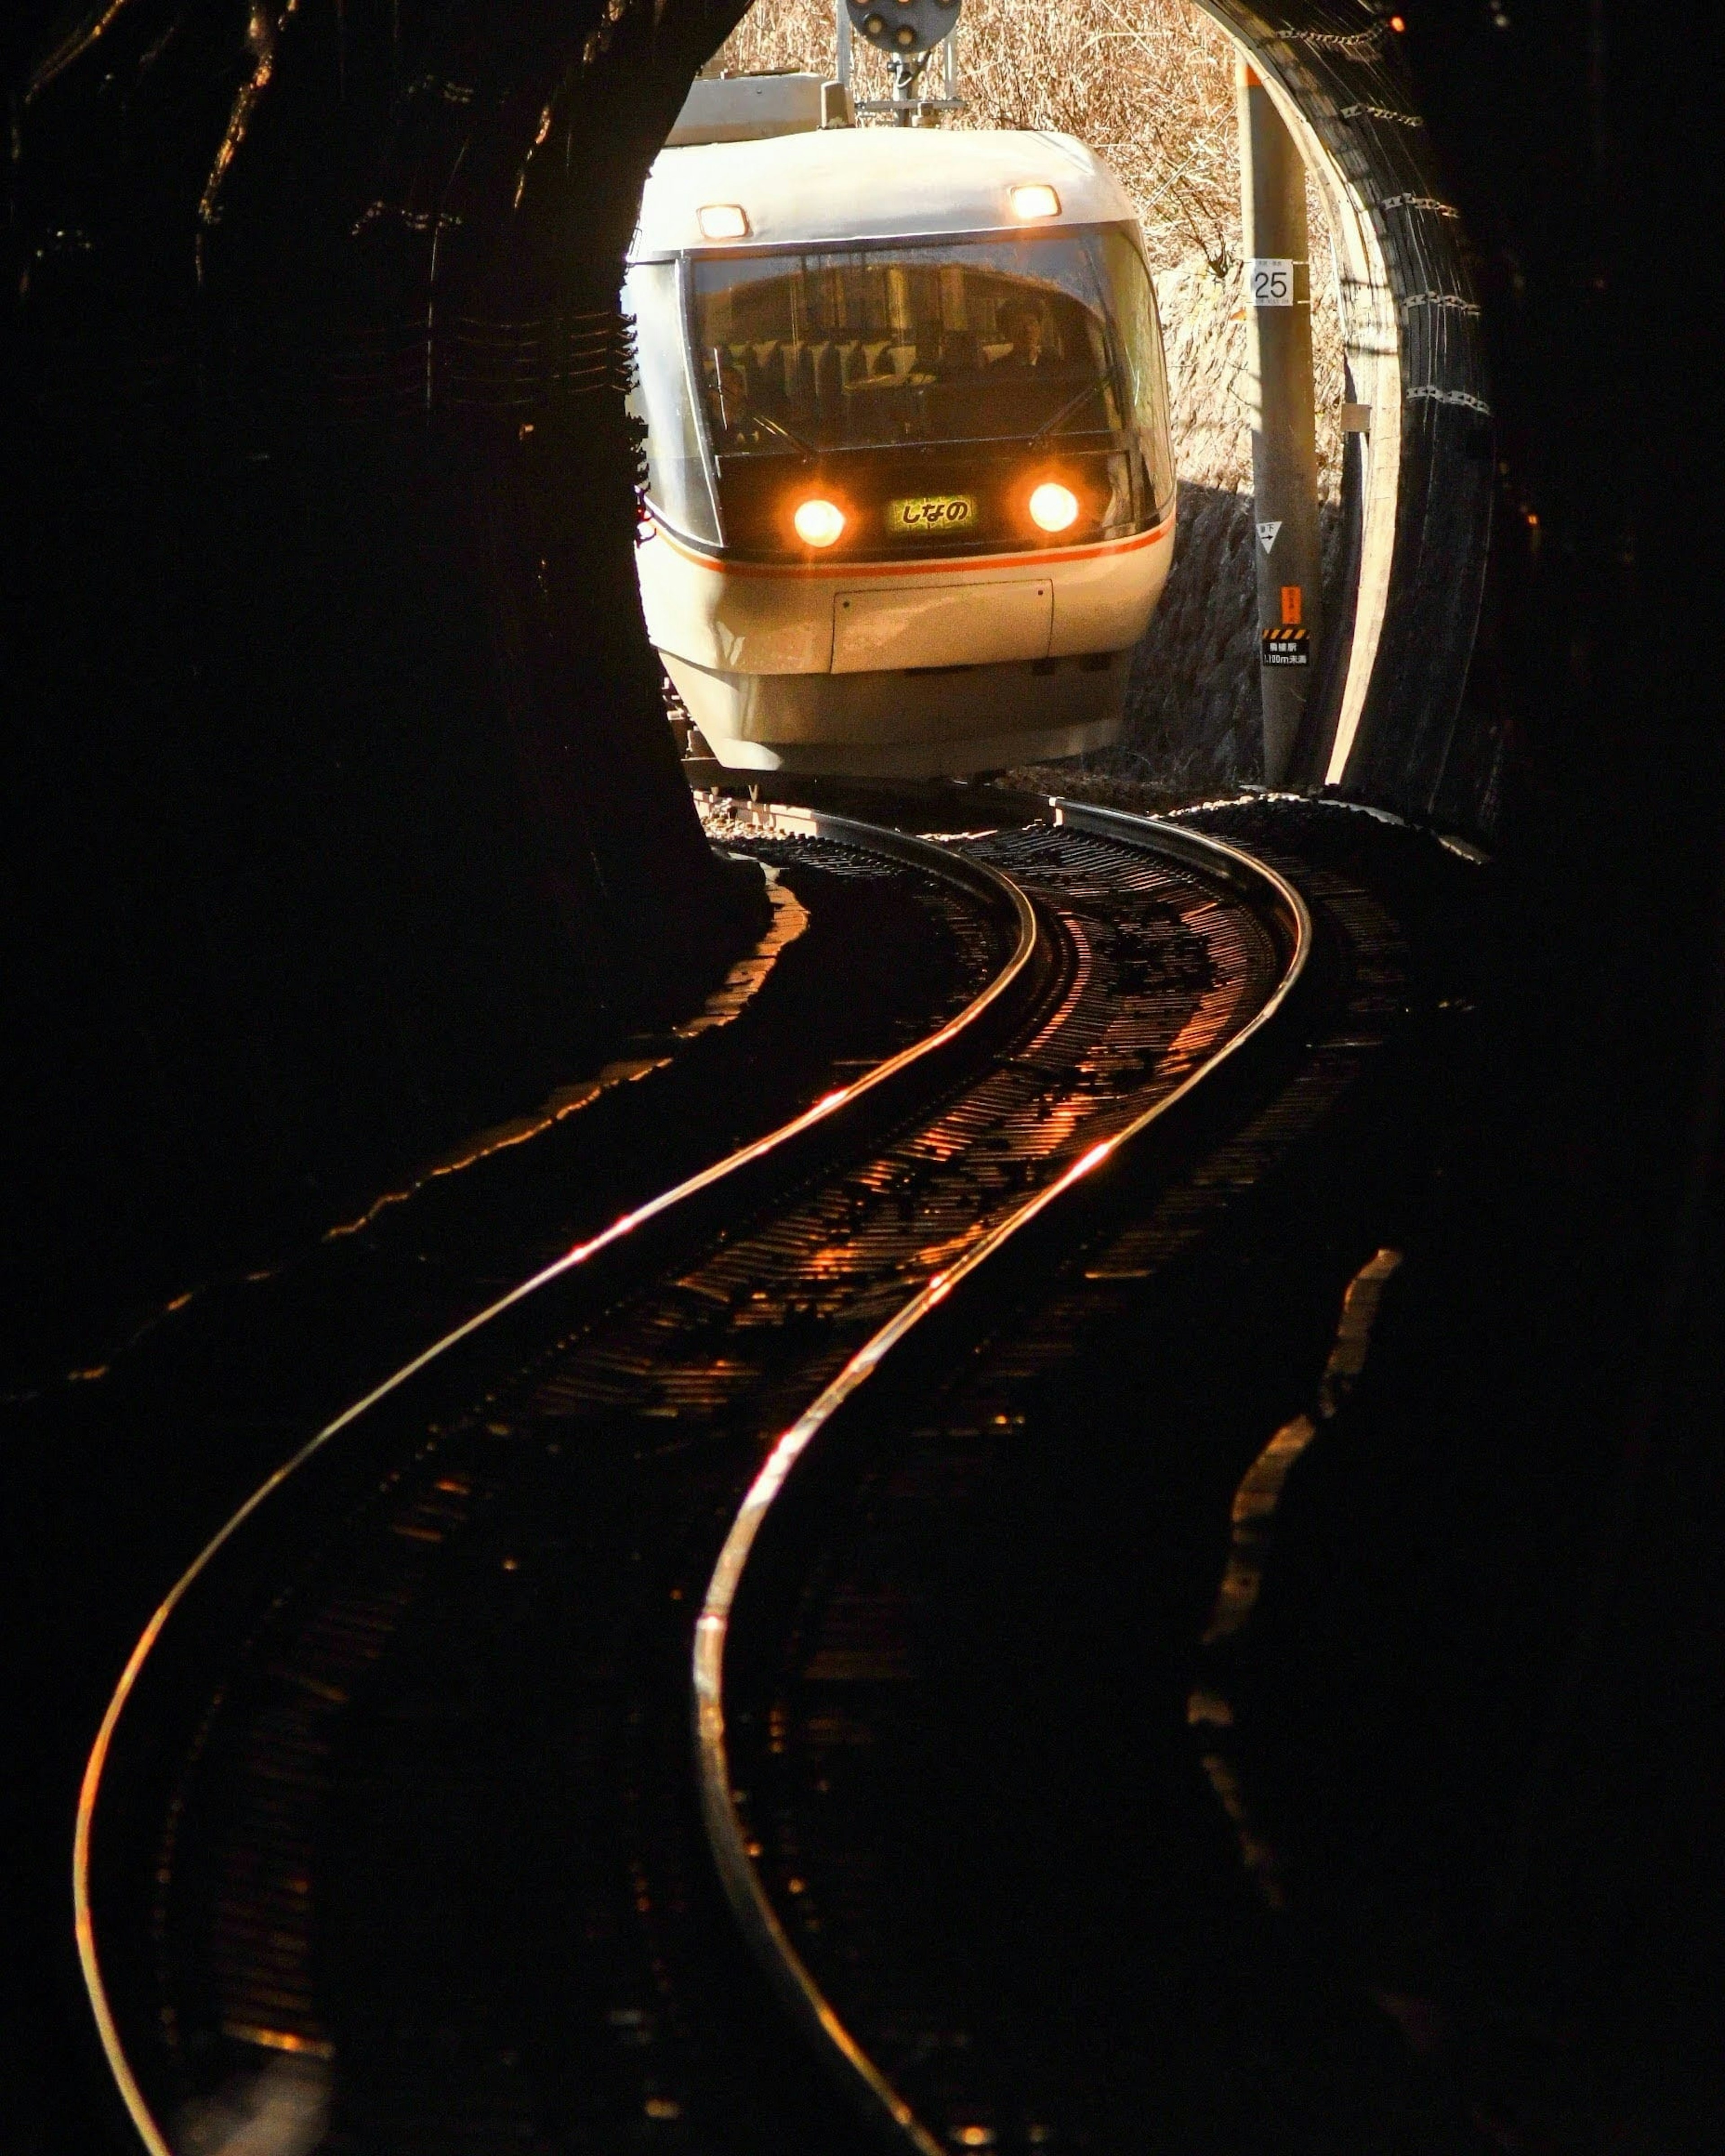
(980, 881)
(726, 1834)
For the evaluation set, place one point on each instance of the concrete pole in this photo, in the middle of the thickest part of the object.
(1277, 292)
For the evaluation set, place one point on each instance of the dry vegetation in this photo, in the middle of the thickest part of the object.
(1147, 84)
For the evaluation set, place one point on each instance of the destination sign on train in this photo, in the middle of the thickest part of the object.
(932, 512)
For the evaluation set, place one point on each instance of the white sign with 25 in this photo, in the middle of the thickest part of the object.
(1270, 281)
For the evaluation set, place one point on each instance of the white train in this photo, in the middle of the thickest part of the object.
(910, 493)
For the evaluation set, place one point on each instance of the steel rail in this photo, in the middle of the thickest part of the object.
(728, 1836)
(979, 880)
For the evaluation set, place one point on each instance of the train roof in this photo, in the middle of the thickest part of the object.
(835, 184)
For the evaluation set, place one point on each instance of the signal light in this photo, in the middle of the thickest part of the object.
(819, 523)
(1053, 507)
(1034, 201)
(722, 221)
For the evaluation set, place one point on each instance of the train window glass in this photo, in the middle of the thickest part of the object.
(677, 483)
(973, 341)
(1140, 333)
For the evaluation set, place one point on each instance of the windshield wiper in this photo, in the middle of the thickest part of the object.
(772, 427)
(1065, 412)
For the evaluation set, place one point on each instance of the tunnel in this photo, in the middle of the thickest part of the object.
(224, 420)
(321, 340)
(343, 820)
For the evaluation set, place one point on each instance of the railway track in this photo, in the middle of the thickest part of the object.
(391, 1839)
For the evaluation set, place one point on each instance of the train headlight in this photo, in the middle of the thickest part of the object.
(1053, 507)
(1029, 203)
(821, 523)
(722, 221)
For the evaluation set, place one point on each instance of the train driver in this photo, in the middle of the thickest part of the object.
(1024, 358)
(741, 426)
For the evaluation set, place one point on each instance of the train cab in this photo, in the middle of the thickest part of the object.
(909, 496)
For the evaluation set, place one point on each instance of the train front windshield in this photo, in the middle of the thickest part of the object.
(927, 385)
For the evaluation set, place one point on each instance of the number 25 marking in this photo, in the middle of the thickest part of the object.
(1270, 281)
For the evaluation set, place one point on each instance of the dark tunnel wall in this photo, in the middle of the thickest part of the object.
(1577, 138)
(1571, 1382)
(343, 816)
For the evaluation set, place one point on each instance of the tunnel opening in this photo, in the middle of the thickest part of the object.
(1406, 452)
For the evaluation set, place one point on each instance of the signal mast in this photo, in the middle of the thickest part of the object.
(909, 33)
